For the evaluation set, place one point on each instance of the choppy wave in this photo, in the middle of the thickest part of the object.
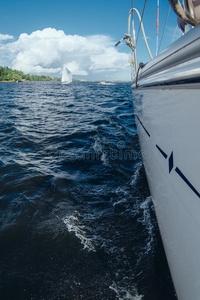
(77, 221)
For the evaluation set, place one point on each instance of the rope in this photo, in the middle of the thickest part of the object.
(131, 61)
(144, 35)
(132, 10)
(141, 20)
(164, 28)
(129, 41)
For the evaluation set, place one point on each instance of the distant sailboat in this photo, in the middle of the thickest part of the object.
(66, 76)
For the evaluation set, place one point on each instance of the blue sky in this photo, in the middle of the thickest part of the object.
(40, 36)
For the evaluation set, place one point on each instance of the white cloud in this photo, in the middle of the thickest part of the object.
(46, 51)
(110, 59)
(4, 37)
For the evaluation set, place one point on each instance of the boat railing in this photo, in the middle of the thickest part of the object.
(130, 41)
(188, 13)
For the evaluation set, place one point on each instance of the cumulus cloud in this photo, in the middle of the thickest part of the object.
(4, 37)
(46, 51)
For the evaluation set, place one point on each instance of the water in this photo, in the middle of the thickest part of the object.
(77, 220)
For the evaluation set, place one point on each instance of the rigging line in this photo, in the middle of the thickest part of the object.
(157, 27)
(141, 20)
(164, 28)
(174, 33)
(132, 10)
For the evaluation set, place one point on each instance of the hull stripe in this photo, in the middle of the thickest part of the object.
(178, 171)
(143, 126)
(161, 151)
(171, 163)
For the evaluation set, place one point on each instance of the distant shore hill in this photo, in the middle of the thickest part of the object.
(9, 75)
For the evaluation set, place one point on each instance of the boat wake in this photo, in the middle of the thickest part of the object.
(123, 294)
(103, 227)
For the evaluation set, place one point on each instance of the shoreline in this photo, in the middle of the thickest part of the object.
(7, 81)
(27, 81)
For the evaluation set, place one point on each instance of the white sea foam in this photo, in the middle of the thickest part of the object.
(123, 294)
(147, 222)
(73, 225)
(136, 174)
(104, 159)
(100, 152)
(98, 148)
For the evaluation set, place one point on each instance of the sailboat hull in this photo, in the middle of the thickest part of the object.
(66, 82)
(169, 131)
(167, 106)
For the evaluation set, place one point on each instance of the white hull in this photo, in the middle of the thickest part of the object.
(176, 203)
(168, 121)
(66, 82)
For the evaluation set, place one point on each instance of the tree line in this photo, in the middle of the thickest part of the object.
(7, 74)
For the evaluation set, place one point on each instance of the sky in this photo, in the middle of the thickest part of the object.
(40, 36)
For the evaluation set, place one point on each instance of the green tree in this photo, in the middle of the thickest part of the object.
(16, 75)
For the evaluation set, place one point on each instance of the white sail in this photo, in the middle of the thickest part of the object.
(66, 76)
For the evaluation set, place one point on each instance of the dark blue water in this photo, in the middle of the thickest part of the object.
(76, 217)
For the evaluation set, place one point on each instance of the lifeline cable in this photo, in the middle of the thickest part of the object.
(157, 26)
(141, 20)
(164, 28)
